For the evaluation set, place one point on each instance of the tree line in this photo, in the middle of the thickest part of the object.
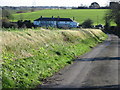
(6, 23)
(113, 15)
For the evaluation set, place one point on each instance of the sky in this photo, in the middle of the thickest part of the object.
(52, 2)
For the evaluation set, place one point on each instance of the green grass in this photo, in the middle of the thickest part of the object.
(97, 15)
(32, 55)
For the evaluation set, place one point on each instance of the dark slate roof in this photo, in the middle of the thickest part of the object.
(53, 19)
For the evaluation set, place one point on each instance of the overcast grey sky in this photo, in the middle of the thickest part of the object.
(51, 2)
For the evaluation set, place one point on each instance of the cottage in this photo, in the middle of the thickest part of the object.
(55, 22)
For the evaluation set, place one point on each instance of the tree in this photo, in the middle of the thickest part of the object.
(107, 22)
(115, 13)
(6, 14)
(94, 5)
(87, 23)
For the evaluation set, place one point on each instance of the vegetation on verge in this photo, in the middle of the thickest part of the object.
(29, 56)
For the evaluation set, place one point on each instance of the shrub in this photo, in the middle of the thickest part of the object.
(7, 24)
(87, 23)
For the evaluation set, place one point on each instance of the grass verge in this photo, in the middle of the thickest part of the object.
(32, 55)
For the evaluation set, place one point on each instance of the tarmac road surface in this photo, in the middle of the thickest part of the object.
(98, 68)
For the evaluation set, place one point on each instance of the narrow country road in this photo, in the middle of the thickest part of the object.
(98, 68)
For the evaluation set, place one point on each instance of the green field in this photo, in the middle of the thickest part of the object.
(97, 15)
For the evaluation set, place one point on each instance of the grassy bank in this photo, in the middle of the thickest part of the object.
(32, 55)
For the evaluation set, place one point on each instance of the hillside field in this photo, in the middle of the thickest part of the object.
(97, 15)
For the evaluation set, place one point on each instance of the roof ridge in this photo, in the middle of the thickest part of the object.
(53, 18)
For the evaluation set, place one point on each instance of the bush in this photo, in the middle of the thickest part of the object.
(7, 24)
(25, 24)
(87, 23)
